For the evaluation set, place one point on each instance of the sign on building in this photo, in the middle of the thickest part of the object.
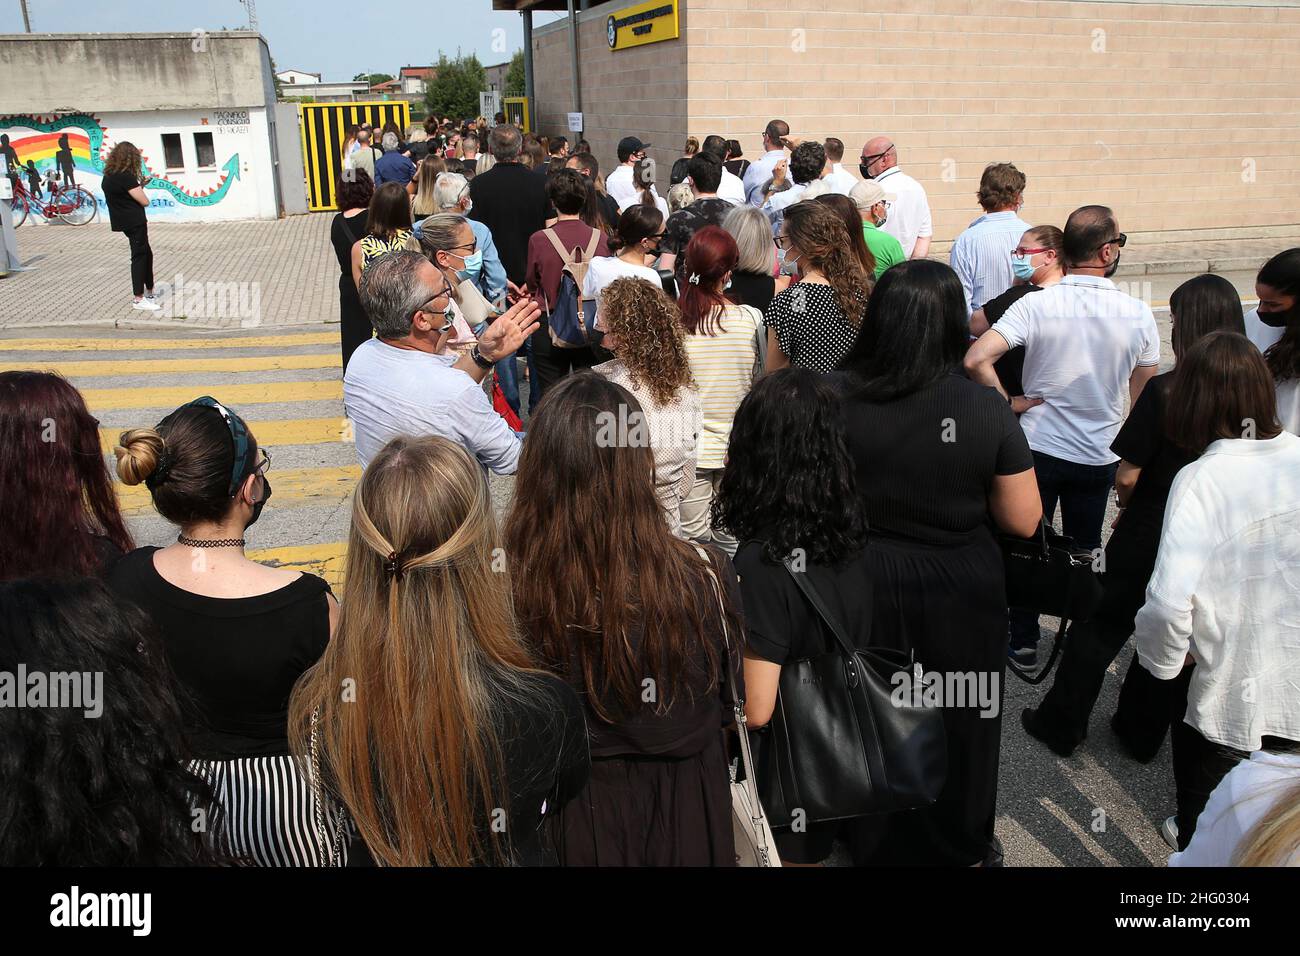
(644, 23)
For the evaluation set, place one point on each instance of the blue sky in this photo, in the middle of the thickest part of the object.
(338, 38)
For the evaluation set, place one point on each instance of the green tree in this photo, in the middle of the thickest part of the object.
(372, 78)
(455, 88)
(516, 82)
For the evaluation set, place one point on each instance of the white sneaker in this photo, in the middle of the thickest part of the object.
(1169, 830)
(147, 305)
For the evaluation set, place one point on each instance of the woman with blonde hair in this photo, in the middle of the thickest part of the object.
(754, 280)
(814, 323)
(421, 186)
(123, 186)
(452, 747)
(678, 174)
(644, 331)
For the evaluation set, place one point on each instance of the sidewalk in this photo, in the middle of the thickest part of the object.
(272, 274)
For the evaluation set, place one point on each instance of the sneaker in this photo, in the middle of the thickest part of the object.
(1034, 726)
(1169, 830)
(1024, 656)
(146, 305)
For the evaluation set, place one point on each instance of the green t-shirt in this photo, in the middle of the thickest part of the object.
(883, 246)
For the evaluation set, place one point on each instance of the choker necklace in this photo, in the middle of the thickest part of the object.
(210, 542)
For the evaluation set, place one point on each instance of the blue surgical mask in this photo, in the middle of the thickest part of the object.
(1022, 268)
(473, 263)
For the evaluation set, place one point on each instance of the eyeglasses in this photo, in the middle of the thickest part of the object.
(1121, 240)
(472, 247)
(264, 464)
(449, 321)
(1022, 251)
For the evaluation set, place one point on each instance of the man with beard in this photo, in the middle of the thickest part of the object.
(1086, 342)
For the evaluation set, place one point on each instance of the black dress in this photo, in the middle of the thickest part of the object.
(236, 660)
(659, 793)
(781, 626)
(925, 467)
(753, 288)
(354, 326)
(1146, 704)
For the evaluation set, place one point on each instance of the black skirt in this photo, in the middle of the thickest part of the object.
(946, 604)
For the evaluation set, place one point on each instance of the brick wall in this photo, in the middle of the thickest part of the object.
(1182, 116)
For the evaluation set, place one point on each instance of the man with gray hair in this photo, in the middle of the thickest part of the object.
(365, 155)
(393, 166)
(403, 383)
(511, 201)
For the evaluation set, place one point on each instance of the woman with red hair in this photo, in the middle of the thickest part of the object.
(723, 343)
(60, 513)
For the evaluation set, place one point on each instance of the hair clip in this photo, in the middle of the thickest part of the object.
(393, 566)
(160, 470)
(695, 278)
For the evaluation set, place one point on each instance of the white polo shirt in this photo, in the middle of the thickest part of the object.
(1083, 338)
(620, 186)
(731, 189)
(839, 180)
(909, 216)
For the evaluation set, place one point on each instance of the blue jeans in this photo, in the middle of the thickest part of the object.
(508, 379)
(1082, 491)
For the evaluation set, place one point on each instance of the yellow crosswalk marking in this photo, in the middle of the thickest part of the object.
(166, 344)
(252, 363)
(293, 487)
(270, 434)
(249, 393)
(325, 560)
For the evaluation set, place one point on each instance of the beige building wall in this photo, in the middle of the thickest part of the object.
(1182, 116)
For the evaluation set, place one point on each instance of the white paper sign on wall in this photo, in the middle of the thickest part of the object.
(575, 122)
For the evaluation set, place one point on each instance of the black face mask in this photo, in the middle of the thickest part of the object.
(1279, 319)
(260, 504)
(862, 168)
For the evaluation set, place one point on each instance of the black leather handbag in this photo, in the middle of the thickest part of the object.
(1050, 574)
(849, 737)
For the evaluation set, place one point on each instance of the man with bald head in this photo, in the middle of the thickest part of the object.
(759, 173)
(909, 216)
(1089, 347)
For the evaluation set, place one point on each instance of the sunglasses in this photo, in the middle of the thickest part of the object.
(1121, 240)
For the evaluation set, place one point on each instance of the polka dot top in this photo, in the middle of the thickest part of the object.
(809, 326)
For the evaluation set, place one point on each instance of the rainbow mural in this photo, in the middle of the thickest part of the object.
(74, 144)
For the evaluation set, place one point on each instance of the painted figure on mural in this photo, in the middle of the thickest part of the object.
(64, 159)
(11, 157)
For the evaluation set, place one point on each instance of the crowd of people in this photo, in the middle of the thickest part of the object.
(765, 378)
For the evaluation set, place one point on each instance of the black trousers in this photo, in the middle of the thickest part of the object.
(141, 259)
(550, 364)
(354, 324)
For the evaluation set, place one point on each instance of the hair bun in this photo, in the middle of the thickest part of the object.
(138, 453)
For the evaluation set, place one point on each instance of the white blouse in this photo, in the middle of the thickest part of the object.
(1226, 589)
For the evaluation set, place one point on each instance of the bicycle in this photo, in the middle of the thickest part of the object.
(74, 205)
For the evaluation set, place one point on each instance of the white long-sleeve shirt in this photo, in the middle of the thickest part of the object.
(1226, 589)
(1238, 803)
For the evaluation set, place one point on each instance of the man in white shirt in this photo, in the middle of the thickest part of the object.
(836, 176)
(1088, 347)
(807, 161)
(759, 173)
(909, 218)
(619, 184)
(403, 383)
(730, 188)
(981, 256)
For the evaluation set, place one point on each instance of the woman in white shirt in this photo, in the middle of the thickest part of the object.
(635, 245)
(1225, 593)
(643, 329)
(1276, 331)
(722, 345)
(1252, 817)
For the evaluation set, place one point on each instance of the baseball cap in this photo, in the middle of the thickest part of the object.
(629, 145)
(868, 192)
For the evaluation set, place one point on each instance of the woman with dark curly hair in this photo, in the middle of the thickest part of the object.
(97, 778)
(940, 460)
(789, 489)
(644, 331)
(813, 323)
(355, 190)
(123, 187)
(60, 514)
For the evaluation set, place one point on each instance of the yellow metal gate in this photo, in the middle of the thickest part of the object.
(324, 127)
(516, 110)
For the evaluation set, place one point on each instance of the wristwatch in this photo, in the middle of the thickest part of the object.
(479, 360)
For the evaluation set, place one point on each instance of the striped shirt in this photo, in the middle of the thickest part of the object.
(981, 256)
(723, 366)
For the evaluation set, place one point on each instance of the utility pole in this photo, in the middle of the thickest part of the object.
(27, 23)
(252, 13)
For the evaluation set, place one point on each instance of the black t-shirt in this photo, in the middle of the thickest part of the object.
(1142, 441)
(685, 222)
(510, 199)
(236, 658)
(345, 232)
(546, 759)
(780, 624)
(926, 461)
(678, 173)
(1010, 367)
(123, 211)
(753, 288)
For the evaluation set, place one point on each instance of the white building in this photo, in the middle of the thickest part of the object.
(200, 106)
(297, 77)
